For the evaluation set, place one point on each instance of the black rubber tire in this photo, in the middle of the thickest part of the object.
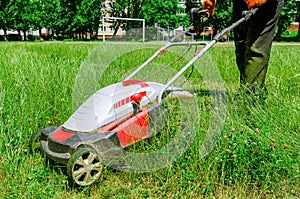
(85, 166)
(35, 140)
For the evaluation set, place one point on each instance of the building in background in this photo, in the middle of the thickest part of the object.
(106, 8)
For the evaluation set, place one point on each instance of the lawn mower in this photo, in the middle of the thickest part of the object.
(117, 115)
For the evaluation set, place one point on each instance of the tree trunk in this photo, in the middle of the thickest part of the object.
(298, 35)
(40, 34)
(279, 32)
(117, 27)
(24, 32)
(91, 35)
(19, 33)
(52, 34)
(96, 34)
(5, 34)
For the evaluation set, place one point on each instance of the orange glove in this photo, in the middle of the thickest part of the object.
(209, 5)
(252, 3)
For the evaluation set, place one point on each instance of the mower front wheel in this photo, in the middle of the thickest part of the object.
(35, 142)
(85, 166)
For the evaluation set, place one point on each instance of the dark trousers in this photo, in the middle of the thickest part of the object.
(253, 42)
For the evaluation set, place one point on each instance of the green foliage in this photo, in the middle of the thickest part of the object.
(222, 16)
(126, 9)
(82, 16)
(162, 12)
(223, 13)
(20, 11)
(5, 16)
(159, 12)
(87, 17)
(289, 9)
(60, 16)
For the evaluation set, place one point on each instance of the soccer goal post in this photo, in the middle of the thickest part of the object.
(129, 19)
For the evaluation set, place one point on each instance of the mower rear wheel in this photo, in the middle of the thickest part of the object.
(85, 166)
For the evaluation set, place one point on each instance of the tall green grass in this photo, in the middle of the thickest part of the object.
(257, 154)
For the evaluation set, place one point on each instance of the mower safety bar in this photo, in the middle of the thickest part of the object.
(162, 49)
(172, 43)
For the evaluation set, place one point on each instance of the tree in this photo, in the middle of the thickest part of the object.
(189, 4)
(81, 16)
(5, 17)
(67, 10)
(20, 13)
(36, 16)
(162, 12)
(285, 18)
(298, 18)
(221, 18)
(223, 15)
(125, 9)
(52, 17)
(88, 16)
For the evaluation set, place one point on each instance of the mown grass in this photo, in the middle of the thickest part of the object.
(257, 154)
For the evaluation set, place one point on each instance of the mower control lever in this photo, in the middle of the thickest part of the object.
(248, 13)
(246, 16)
(198, 17)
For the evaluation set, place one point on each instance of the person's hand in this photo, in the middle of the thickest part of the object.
(209, 5)
(252, 3)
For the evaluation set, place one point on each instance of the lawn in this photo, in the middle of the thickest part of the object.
(256, 155)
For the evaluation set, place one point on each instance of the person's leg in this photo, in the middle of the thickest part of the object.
(258, 45)
(240, 35)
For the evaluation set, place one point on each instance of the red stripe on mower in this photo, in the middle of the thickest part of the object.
(134, 81)
(134, 129)
(61, 135)
(162, 52)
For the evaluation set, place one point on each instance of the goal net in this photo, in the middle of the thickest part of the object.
(134, 30)
(118, 29)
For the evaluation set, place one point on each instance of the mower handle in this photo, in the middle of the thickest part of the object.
(246, 17)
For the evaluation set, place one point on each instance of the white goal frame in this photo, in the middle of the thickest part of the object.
(129, 19)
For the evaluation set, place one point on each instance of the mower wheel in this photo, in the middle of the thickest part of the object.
(84, 166)
(35, 142)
